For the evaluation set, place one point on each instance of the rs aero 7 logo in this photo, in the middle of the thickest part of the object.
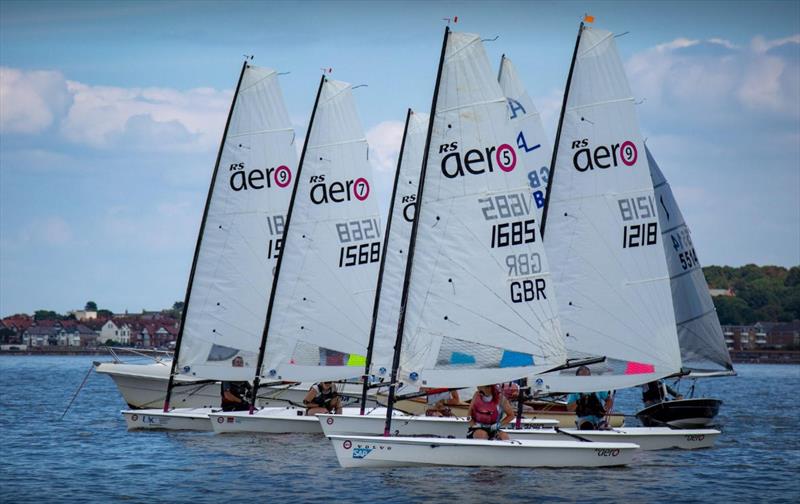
(243, 179)
(588, 158)
(323, 191)
(476, 161)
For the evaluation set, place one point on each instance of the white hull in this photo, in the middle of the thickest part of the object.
(375, 451)
(266, 420)
(194, 419)
(373, 425)
(274, 421)
(648, 438)
(145, 386)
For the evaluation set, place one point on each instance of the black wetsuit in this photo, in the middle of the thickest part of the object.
(240, 390)
(323, 399)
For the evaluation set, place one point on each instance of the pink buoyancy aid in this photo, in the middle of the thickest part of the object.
(484, 412)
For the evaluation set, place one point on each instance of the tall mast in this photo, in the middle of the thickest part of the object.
(171, 382)
(558, 132)
(380, 271)
(262, 348)
(410, 261)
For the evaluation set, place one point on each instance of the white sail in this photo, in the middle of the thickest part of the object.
(602, 227)
(531, 141)
(481, 307)
(700, 337)
(242, 235)
(324, 296)
(401, 218)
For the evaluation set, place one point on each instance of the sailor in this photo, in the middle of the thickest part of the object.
(322, 398)
(591, 408)
(234, 394)
(656, 392)
(489, 411)
(440, 400)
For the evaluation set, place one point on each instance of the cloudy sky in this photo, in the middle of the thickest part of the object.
(111, 114)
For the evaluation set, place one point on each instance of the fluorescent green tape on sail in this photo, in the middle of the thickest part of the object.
(356, 360)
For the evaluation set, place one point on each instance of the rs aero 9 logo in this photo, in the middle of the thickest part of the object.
(323, 191)
(243, 179)
(588, 158)
(476, 161)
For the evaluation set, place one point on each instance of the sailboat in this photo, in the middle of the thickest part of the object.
(534, 158)
(601, 222)
(317, 322)
(237, 247)
(387, 308)
(703, 349)
(465, 319)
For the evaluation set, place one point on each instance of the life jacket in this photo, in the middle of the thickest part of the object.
(652, 393)
(589, 405)
(323, 399)
(511, 390)
(486, 413)
(238, 389)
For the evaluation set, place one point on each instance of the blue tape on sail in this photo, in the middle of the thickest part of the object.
(515, 359)
(461, 358)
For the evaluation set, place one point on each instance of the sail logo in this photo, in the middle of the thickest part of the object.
(257, 178)
(603, 156)
(337, 192)
(409, 203)
(476, 161)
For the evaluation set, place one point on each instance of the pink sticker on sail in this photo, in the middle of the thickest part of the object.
(639, 368)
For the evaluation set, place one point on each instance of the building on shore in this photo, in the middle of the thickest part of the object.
(763, 336)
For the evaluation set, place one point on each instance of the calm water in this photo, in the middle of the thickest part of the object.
(90, 457)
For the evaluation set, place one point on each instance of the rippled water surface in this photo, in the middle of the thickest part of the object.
(90, 457)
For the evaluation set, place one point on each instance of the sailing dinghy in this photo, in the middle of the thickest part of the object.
(465, 318)
(317, 322)
(601, 222)
(703, 349)
(237, 247)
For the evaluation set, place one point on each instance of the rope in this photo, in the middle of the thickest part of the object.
(91, 367)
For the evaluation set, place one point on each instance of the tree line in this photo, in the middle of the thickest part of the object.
(761, 293)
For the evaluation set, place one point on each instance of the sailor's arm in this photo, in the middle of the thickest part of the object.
(307, 400)
(508, 412)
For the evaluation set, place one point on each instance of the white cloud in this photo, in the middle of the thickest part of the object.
(156, 119)
(384, 145)
(31, 101)
(715, 79)
(108, 117)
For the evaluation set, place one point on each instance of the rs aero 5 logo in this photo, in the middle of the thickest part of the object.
(476, 161)
(243, 179)
(603, 156)
(323, 191)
